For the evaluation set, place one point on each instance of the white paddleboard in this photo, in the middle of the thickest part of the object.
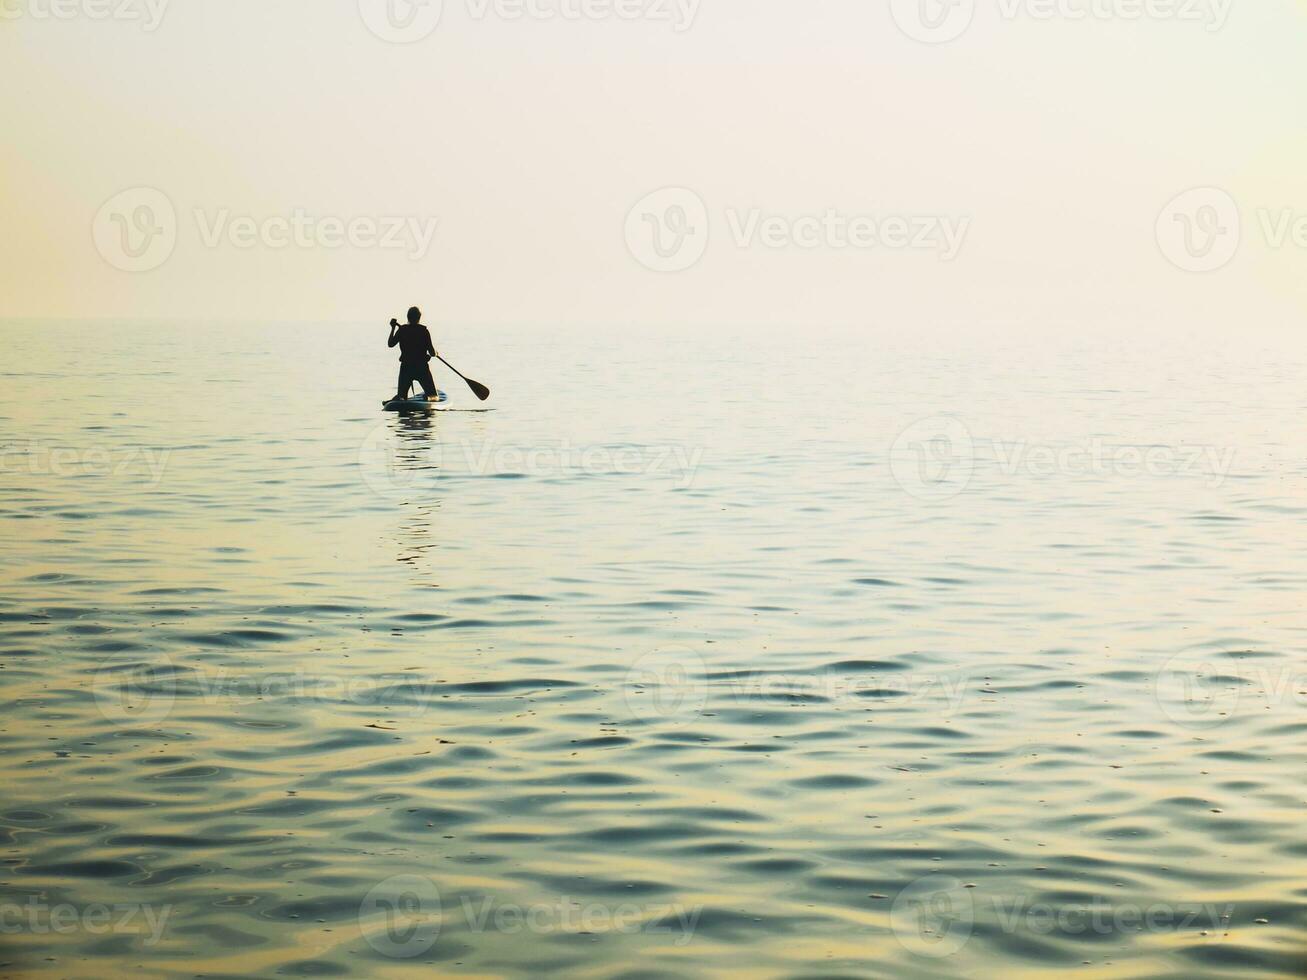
(415, 402)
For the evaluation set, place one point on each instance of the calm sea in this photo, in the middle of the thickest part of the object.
(699, 654)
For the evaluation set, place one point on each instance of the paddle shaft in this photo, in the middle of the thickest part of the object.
(478, 389)
(450, 366)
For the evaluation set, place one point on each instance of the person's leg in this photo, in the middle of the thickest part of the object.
(423, 377)
(405, 381)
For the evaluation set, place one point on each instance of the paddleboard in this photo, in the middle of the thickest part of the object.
(415, 402)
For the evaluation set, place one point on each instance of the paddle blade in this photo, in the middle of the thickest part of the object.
(478, 389)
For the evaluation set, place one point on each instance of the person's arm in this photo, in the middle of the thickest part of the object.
(394, 333)
(431, 348)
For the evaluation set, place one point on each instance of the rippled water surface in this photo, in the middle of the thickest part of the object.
(769, 656)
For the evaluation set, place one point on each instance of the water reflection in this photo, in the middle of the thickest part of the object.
(416, 463)
(912, 737)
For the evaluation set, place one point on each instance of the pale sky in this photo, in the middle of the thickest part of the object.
(513, 150)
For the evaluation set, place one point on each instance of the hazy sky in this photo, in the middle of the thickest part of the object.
(829, 166)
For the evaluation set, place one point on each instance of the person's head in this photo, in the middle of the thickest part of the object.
(415, 315)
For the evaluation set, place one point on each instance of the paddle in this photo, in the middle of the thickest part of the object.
(478, 389)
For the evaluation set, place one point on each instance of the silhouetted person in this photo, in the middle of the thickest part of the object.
(415, 354)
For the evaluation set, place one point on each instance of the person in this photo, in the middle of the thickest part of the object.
(415, 354)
